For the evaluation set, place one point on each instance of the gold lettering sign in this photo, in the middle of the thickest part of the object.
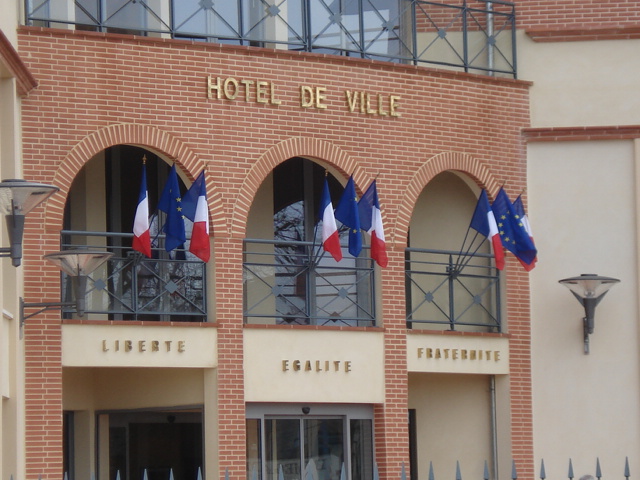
(144, 346)
(310, 96)
(458, 354)
(316, 366)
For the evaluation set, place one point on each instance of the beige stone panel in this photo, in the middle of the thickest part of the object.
(581, 83)
(138, 346)
(458, 354)
(313, 366)
(584, 216)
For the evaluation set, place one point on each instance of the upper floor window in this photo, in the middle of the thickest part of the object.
(288, 277)
(477, 37)
(100, 211)
(451, 283)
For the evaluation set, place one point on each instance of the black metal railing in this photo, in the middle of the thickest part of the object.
(130, 286)
(476, 36)
(447, 290)
(297, 283)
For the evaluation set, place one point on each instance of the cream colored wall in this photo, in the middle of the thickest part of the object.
(453, 423)
(583, 206)
(581, 83)
(582, 198)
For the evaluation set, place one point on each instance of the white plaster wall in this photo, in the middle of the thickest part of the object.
(582, 204)
(581, 83)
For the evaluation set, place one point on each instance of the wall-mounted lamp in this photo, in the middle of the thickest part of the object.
(17, 199)
(589, 289)
(78, 264)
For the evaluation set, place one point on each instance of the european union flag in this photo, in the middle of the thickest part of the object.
(513, 235)
(347, 213)
(170, 203)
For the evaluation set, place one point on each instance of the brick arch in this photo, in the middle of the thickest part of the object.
(124, 133)
(311, 148)
(442, 162)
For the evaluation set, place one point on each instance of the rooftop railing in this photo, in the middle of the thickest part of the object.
(297, 283)
(447, 290)
(130, 286)
(474, 36)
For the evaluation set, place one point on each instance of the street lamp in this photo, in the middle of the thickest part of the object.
(589, 289)
(78, 264)
(17, 199)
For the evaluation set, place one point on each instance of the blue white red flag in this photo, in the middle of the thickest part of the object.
(347, 213)
(330, 236)
(196, 208)
(371, 222)
(170, 202)
(141, 235)
(484, 222)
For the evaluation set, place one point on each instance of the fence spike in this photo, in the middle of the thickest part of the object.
(486, 471)
(570, 473)
(311, 472)
(376, 474)
(514, 471)
(145, 474)
(117, 475)
(431, 475)
(343, 472)
(66, 476)
(627, 473)
(199, 475)
(543, 474)
(458, 474)
(171, 474)
(403, 473)
(226, 473)
(598, 471)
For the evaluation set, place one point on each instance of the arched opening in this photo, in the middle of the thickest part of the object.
(452, 282)
(289, 278)
(99, 213)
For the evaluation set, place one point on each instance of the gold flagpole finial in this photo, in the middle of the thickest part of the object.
(144, 159)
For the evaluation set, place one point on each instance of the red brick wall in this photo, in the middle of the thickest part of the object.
(571, 14)
(97, 90)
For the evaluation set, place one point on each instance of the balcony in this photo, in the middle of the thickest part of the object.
(297, 283)
(130, 286)
(473, 36)
(452, 291)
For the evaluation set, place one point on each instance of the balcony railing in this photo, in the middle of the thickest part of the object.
(297, 283)
(475, 35)
(130, 286)
(446, 290)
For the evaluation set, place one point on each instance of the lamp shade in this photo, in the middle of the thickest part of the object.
(78, 262)
(20, 197)
(589, 285)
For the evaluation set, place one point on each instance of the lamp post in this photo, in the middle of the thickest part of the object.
(589, 289)
(78, 264)
(17, 199)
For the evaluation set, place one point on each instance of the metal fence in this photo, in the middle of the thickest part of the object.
(130, 286)
(297, 283)
(476, 36)
(449, 290)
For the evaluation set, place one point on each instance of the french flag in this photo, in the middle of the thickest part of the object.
(484, 222)
(330, 237)
(141, 235)
(371, 222)
(196, 209)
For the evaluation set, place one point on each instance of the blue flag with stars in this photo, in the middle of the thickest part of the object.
(347, 213)
(170, 202)
(513, 235)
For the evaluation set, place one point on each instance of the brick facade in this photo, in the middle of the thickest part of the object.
(98, 90)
